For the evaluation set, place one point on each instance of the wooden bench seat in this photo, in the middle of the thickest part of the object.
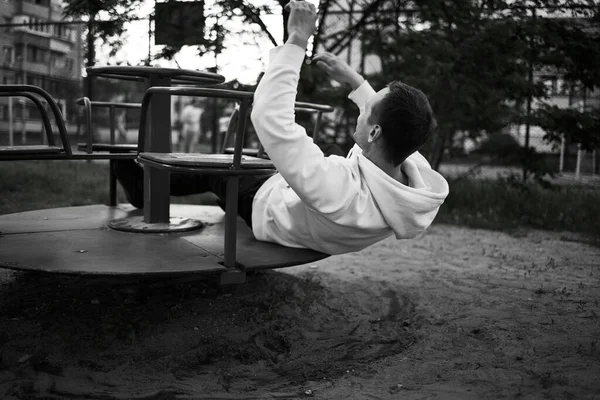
(29, 149)
(201, 162)
(245, 151)
(122, 148)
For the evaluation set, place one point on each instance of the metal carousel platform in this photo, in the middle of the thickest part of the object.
(79, 240)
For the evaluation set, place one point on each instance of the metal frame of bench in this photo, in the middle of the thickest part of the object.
(38, 152)
(230, 165)
(108, 150)
(45, 119)
(88, 106)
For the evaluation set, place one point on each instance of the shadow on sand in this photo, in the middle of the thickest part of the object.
(107, 338)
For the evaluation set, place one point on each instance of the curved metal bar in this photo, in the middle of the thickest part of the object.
(241, 132)
(89, 105)
(182, 91)
(43, 112)
(95, 103)
(129, 72)
(87, 111)
(233, 121)
(60, 122)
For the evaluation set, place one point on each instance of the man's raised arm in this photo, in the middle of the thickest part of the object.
(314, 178)
(341, 72)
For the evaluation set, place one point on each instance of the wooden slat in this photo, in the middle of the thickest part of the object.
(206, 160)
(124, 147)
(29, 149)
(246, 152)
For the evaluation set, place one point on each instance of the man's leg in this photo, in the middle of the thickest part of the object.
(247, 188)
(131, 177)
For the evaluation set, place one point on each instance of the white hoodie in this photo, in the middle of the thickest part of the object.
(330, 204)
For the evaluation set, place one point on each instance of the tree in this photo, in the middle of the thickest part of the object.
(475, 60)
(573, 52)
(114, 15)
(225, 10)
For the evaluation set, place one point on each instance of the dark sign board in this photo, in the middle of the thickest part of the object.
(179, 23)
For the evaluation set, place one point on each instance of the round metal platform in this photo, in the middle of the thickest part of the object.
(137, 224)
(77, 240)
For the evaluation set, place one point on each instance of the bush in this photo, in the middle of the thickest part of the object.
(500, 145)
(500, 205)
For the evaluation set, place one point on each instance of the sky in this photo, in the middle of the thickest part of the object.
(243, 59)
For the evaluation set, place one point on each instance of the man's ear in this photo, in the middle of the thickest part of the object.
(374, 133)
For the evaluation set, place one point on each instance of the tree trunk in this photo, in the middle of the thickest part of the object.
(286, 15)
(91, 55)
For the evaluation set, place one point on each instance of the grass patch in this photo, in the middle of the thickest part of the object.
(31, 185)
(489, 204)
(496, 204)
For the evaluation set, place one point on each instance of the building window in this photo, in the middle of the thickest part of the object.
(44, 3)
(43, 56)
(19, 52)
(7, 54)
(36, 54)
(31, 53)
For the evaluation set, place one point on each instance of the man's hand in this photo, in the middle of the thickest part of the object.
(339, 70)
(301, 22)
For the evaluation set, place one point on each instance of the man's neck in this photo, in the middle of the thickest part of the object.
(394, 171)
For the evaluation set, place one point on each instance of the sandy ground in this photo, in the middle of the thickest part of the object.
(454, 314)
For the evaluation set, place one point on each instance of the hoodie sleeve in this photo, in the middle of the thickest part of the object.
(321, 182)
(361, 94)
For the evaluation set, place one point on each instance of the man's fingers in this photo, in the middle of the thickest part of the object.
(299, 5)
(325, 67)
(326, 57)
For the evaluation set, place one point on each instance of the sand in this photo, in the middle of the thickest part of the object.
(455, 314)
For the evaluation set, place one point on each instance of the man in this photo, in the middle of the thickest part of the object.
(335, 204)
(190, 126)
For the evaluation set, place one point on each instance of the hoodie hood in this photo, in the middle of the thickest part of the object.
(407, 209)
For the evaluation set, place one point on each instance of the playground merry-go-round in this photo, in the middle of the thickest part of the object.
(162, 238)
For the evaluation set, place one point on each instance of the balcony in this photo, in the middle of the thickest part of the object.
(36, 8)
(65, 34)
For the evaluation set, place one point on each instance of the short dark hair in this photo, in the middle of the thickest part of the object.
(406, 120)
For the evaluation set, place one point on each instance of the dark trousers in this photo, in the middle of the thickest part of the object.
(131, 176)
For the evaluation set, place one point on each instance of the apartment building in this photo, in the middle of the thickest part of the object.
(37, 47)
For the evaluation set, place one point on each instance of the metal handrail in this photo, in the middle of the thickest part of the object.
(87, 109)
(80, 101)
(43, 112)
(60, 122)
(140, 73)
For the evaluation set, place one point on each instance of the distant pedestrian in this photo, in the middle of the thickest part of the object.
(191, 128)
